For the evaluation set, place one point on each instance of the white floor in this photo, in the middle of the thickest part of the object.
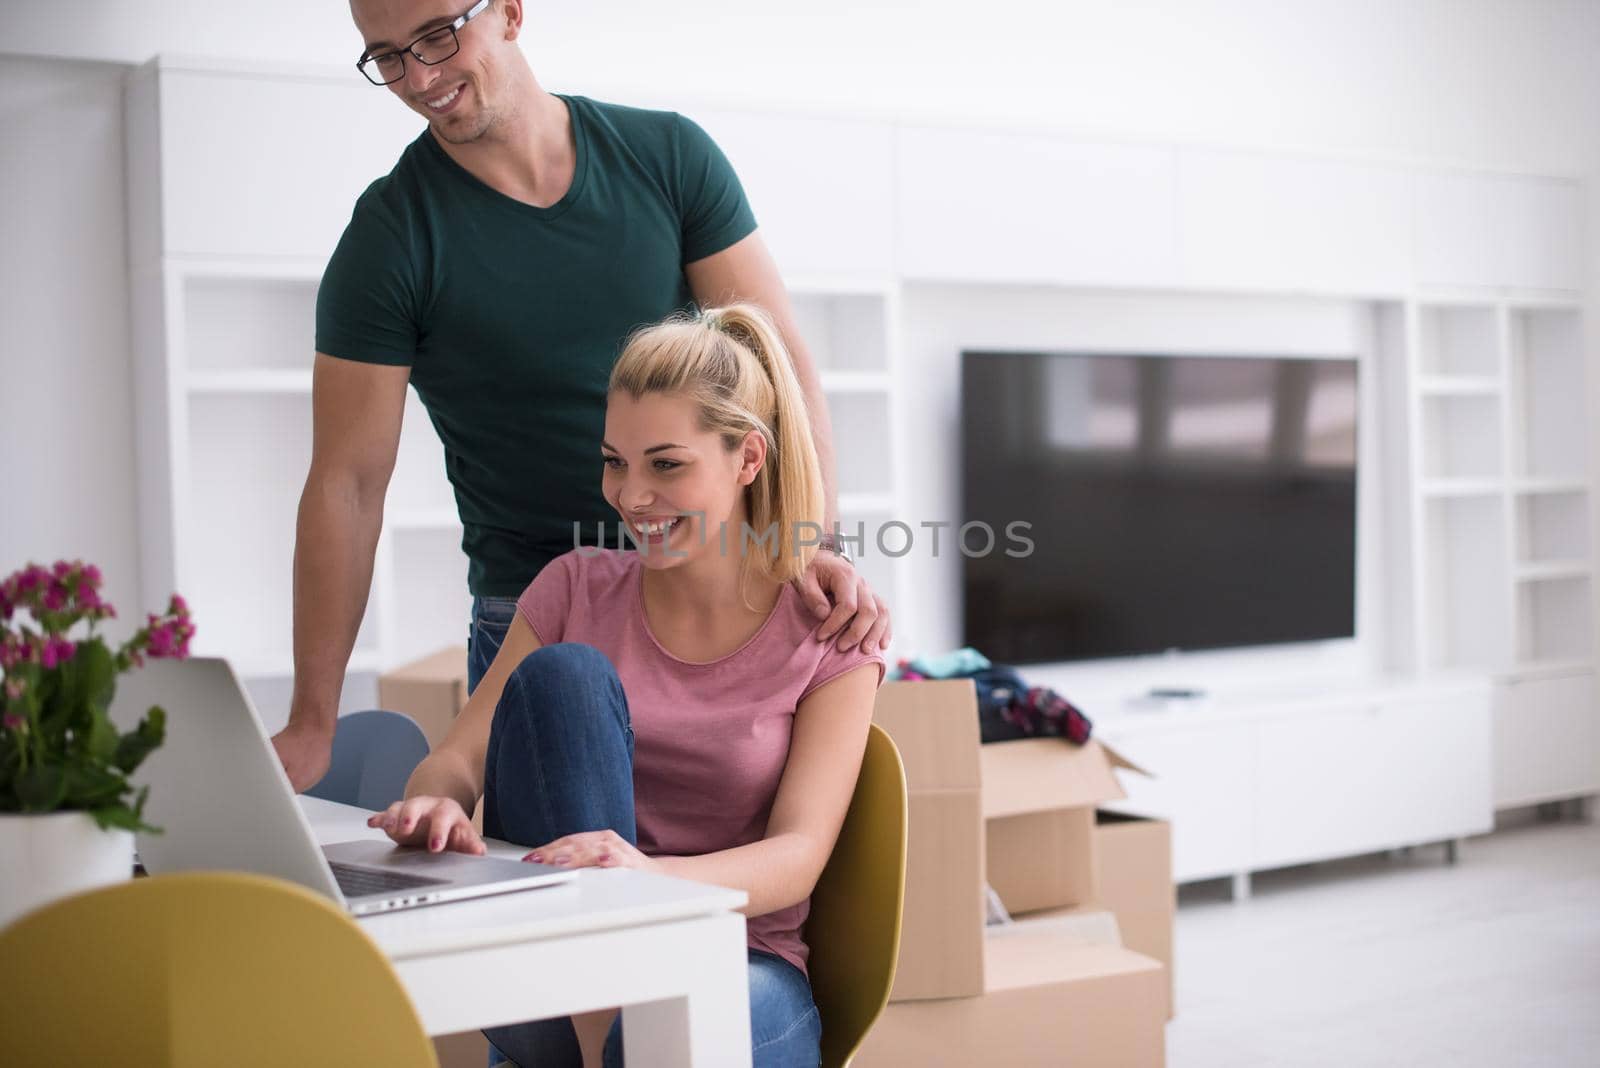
(1400, 959)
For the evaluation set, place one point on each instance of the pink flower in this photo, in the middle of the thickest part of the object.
(12, 721)
(14, 651)
(178, 607)
(56, 650)
(61, 570)
(162, 645)
(15, 688)
(55, 598)
(92, 577)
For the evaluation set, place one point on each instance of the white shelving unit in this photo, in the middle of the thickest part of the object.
(225, 343)
(849, 330)
(234, 371)
(1504, 537)
(1475, 281)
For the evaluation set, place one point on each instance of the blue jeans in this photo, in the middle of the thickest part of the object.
(560, 761)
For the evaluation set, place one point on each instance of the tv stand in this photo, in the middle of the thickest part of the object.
(1261, 779)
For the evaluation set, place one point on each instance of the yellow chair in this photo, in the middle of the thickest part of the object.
(197, 969)
(853, 929)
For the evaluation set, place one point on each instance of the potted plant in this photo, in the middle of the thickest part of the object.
(67, 810)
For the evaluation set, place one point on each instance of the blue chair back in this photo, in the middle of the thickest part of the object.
(374, 753)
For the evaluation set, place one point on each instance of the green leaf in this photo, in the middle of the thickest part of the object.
(41, 788)
(121, 817)
(140, 742)
(90, 786)
(98, 673)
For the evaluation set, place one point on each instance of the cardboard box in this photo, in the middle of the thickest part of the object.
(1090, 925)
(934, 724)
(1050, 1000)
(1039, 796)
(431, 691)
(1135, 856)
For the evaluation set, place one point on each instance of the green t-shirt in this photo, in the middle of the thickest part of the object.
(510, 316)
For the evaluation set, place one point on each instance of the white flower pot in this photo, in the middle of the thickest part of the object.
(51, 855)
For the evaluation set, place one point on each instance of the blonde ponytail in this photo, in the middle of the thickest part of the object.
(732, 364)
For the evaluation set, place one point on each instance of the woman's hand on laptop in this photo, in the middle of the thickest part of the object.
(592, 849)
(435, 823)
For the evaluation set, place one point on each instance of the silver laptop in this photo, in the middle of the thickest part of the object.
(221, 796)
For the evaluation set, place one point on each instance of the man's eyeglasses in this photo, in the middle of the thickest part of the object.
(433, 47)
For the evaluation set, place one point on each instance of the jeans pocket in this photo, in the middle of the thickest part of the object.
(491, 618)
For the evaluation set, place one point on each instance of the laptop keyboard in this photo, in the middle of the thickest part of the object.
(359, 882)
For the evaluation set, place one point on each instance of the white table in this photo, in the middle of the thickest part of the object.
(669, 951)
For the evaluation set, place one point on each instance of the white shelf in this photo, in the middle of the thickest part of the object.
(1462, 487)
(249, 381)
(856, 382)
(1460, 386)
(246, 268)
(861, 504)
(281, 665)
(1547, 570)
(1524, 669)
(1549, 485)
(423, 519)
(814, 285)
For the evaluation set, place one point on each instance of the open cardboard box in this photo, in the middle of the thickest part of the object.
(1135, 856)
(1039, 798)
(934, 724)
(1017, 815)
(1055, 992)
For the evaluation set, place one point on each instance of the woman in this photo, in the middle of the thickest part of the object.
(750, 729)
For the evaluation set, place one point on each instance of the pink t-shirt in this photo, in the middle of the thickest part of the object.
(710, 739)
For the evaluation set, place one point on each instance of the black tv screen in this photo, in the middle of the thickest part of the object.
(1173, 502)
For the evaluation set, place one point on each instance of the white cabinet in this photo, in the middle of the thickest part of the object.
(1370, 775)
(1252, 784)
(1272, 223)
(269, 166)
(1546, 739)
(1499, 230)
(822, 189)
(1000, 207)
(1203, 781)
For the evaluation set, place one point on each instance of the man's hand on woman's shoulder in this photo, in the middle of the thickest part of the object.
(840, 597)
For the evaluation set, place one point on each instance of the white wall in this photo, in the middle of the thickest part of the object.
(1502, 84)
(66, 423)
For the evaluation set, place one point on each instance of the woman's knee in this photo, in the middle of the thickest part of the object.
(563, 664)
(550, 685)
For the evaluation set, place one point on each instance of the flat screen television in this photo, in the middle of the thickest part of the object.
(1173, 502)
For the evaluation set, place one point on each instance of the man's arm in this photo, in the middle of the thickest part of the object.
(356, 410)
(745, 270)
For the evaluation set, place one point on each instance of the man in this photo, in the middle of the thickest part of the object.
(497, 269)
